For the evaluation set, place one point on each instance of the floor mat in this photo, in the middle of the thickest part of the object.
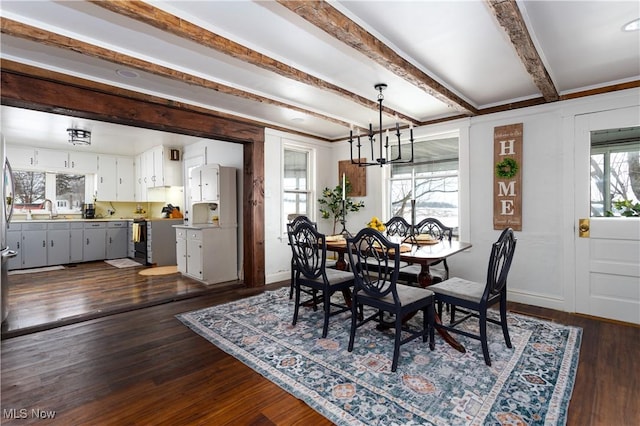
(32, 270)
(122, 263)
(160, 270)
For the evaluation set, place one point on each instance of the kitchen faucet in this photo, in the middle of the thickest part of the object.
(52, 211)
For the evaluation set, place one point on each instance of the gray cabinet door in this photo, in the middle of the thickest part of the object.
(76, 245)
(34, 248)
(94, 244)
(117, 241)
(58, 247)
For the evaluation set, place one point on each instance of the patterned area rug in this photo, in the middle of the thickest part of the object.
(123, 263)
(528, 384)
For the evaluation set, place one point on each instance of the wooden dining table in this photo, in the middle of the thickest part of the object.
(423, 254)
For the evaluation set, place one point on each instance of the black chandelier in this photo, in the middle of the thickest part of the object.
(384, 147)
(79, 136)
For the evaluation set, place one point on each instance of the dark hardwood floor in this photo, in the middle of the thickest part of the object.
(43, 300)
(144, 367)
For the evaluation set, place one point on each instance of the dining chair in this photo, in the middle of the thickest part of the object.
(439, 270)
(309, 249)
(398, 226)
(474, 298)
(378, 288)
(294, 220)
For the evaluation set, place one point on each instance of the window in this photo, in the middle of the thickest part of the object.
(33, 188)
(296, 188)
(432, 179)
(615, 169)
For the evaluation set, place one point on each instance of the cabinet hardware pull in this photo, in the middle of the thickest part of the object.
(44, 243)
(87, 241)
(51, 243)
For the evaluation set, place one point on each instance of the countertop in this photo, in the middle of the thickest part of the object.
(110, 219)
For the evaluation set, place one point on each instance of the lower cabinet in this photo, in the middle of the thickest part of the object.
(42, 243)
(95, 238)
(58, 243)
(34, 245)
(14, 242)
(76, 248)
(207, 254)
(116, 240)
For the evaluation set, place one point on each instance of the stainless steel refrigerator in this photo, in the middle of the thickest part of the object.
(8, 191)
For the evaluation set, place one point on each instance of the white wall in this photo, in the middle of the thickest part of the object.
(542, 272)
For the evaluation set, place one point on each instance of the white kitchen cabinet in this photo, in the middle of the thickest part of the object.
(125, 185)
(76, 243)
(116, 240)
(107, 183)
(158, 169)
(14, 241)
(140, 181)
(52, 159)
(34, 245)
(116, 181)
(181, 249)
(207, 253)
(217, 192)
(83, 162)
(58, 243)
(21, 157)
(95, 237)
(204, 184)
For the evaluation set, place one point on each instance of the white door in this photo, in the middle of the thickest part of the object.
(608, 262)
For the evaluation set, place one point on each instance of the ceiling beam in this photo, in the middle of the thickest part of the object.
(27, 32)
(327, 18)
(510, 19)
(157, 18)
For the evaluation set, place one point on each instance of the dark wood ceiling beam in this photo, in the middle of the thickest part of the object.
(27, 32)
(510, 19)
(157, 18)
(334, 23)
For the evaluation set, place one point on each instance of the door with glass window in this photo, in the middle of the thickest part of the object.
(607, 234)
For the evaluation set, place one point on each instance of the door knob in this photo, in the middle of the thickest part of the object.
(583, 228)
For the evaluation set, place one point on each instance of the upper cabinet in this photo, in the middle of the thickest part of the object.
(51, 160)
(115, 178)
(158, 169)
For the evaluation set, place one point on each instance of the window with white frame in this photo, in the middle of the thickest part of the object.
(615, 167)
(432, 180)
(296, 182)
(67, 191)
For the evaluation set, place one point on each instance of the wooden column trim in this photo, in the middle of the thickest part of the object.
(46, 94)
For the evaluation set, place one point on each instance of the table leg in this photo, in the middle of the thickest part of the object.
(425, 280)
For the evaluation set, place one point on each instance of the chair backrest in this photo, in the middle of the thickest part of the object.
(398, 226)
(500, 263)
(298, 219)
(309, 249)
(374, 263)
(435, 228)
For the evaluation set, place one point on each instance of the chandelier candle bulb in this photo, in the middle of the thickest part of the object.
(413, 185)
(344, 187)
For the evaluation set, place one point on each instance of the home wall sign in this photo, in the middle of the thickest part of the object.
(357, 177)
(507, 177)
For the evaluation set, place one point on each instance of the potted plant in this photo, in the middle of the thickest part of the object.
(332, 201)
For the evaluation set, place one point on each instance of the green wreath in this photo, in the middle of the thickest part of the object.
(507, 168)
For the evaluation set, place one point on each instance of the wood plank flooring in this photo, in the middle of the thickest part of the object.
(144, 367)
(42, 300)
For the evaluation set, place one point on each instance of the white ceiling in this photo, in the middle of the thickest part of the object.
(456, 43)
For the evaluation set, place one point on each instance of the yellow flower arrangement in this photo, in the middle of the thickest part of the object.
(376, 223)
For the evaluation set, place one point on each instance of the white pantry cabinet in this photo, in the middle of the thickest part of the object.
(207, 253)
